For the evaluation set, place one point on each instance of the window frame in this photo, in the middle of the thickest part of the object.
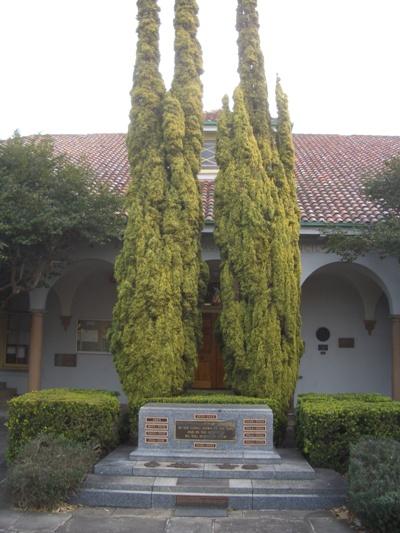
(4, 344)
(91, 352)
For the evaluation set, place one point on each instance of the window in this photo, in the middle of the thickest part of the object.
(92, 335)
(15, 330)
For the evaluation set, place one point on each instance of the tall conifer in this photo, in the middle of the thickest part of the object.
(272, 353)
(185, 193)
(147, 337)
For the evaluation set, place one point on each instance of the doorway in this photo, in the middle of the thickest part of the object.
(210, 368)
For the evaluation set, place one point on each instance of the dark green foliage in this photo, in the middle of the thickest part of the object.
(374, 484)
(257, 229)
(47, 471)
(326, 428)
(82, 415)
(280, 418)
(156, 321)
(382, 237)
(47, 205)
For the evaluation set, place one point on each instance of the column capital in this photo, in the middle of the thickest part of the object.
(38, 298)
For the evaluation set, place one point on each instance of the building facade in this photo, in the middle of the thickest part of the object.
(56, 336)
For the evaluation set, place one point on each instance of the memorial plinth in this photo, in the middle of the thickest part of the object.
(207, 433)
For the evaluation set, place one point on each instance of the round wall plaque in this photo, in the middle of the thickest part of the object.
(323, 334)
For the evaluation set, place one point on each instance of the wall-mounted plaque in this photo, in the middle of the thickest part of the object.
(219, 430)
(254, 431)
(205, 416)
(65, 359)
(207, 445)
(156, 430)
(346, 342)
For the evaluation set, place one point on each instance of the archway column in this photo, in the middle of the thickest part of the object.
(36, 350)
(37, 301)
(396, 357)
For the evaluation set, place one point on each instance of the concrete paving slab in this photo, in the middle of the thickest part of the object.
(186, 525)
(260, 525)
(41, 521)
(8, 518)
(114, 525)
(121, 512)
(328, 524)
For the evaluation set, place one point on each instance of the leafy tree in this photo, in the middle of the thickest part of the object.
(47, 205)
(263, 347)
(382, 237)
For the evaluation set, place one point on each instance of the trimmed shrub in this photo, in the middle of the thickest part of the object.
(280, 417)
(47, 470)
(339, 397)
(343, 396)
(327, 427)
(374, 484)
(87, 416)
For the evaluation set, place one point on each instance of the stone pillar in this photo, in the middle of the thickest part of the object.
(36, 349)
(396, 357)
(37, 304)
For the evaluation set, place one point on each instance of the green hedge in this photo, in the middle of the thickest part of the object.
(343, 396)
(326, 427)
(280, 417)
(374, 484)
(87, 416)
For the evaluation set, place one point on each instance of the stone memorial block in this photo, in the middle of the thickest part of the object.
(205, 432)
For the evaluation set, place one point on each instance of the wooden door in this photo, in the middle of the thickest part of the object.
(210, 369)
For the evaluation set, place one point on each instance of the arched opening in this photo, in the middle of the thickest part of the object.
(354, 354)
(78, 315)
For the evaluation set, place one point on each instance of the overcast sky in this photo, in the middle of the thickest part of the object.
(66, 65)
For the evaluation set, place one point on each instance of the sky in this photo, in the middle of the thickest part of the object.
(66, 65)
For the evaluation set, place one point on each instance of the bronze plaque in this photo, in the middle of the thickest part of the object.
(346, 342)
(206, 501)
(208, 445)
(205, 417)
(254, 442)
(156, 440)
(219, 430)
(65, 359)
(255, 421)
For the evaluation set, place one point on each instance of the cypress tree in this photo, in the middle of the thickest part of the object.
(284, 140)
(184, 169)
(244, 222)
(147, 337)
(186, 85)
(270, 332)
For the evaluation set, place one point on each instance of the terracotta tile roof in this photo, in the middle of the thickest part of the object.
(330, 171)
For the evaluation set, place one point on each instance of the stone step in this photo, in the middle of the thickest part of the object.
(327, 490)
(293, 466)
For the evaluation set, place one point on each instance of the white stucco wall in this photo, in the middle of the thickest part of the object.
(94, 300)
(331, 302)
(327, 301)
